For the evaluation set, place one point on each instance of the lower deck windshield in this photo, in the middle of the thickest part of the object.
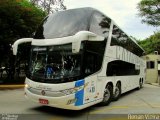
(54, 64)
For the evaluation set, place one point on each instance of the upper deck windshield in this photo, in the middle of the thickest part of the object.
(69, 22)
(54, 64)
(64, 23)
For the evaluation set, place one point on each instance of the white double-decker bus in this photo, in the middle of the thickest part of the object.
(79, 58)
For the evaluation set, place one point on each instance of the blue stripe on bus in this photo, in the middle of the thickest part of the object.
(79, 83)
(80, 94)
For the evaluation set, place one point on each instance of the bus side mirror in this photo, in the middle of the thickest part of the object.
(76, 46)
(18, 42)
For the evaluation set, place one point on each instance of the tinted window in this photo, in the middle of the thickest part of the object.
(93, 56)
(54, 64)
(121, 39)
(97, 47)
(64, 23)
(121, 68)
(91, 63)
(100, 24)
(69, 22)
(150, 64)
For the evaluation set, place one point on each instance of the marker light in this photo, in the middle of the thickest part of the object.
(27, 86)
(72, 90)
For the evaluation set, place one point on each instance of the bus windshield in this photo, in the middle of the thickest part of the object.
(62, 24)
(54, 63)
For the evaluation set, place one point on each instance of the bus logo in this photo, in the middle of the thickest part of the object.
(43, 92)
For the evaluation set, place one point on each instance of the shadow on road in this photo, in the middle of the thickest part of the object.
(130, 92)
(51, 111)
(73, 114)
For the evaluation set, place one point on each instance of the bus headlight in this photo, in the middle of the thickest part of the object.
(27, 86)
(72, 90)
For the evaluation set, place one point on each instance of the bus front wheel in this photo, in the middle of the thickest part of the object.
(107, 97)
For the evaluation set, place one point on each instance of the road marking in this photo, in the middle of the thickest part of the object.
(155, 105)
(109, 108)
(56, 118)
(115, 118)
(102, 110)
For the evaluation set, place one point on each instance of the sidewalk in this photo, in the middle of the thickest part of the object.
(155, 84)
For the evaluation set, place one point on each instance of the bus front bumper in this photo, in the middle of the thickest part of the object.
(64, 102)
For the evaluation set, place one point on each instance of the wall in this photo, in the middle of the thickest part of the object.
(152, 74)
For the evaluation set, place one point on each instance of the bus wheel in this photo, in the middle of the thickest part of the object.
(107, 97)
(117, 92)
(140, 84)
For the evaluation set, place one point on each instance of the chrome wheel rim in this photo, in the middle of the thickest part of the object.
(117, 91)
(106, 95)
(140, 84)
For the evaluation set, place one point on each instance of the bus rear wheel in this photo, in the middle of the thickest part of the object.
(117, 92)
(107, 97)
(140, 84)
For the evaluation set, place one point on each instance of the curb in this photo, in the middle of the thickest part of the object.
(154, 84)
(11, 86)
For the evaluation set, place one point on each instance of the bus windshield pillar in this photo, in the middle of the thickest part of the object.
(18, 42)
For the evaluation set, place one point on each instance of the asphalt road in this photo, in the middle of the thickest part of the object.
(136, 102)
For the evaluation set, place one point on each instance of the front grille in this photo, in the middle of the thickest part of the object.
(47, 93)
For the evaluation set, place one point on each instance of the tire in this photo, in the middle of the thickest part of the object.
(117, 92)
(140, 84)
(107, 97)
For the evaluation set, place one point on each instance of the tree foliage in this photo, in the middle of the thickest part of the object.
(149, 10)
(49, 6)
(19, 19)
(151, 44)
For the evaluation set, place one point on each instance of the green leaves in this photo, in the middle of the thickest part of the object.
(19, 18)
(149, 10)
(152, 43)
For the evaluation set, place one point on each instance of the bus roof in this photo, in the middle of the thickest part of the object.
(69, 22)
(64, 23)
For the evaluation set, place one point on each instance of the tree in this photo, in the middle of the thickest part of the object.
(19, 19)
(151, 44)
(49, 6)
(149, 10)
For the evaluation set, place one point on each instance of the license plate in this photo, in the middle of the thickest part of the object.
(43, 101)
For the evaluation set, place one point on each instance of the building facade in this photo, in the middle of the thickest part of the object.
(152, 68)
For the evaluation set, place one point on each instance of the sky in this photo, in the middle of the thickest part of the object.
(123, 12)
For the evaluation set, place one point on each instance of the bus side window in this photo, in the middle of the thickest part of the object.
(111, 69)
(121, 68)
(90, 64)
